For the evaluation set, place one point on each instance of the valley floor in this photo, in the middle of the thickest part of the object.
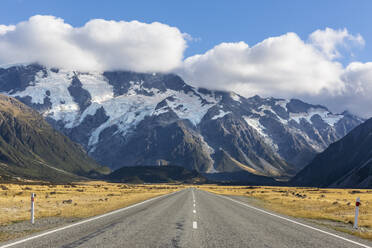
(191, 218)
(58, 205)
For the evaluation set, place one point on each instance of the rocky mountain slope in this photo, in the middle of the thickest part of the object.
(126, 119)
(30, 148)
(346, 163)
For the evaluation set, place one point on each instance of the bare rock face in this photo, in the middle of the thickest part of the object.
(125, 119)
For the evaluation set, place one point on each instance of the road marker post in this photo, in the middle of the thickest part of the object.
(357, 204)
(33, 208)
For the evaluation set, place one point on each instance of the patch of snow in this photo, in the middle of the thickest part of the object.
(63, 106)
(255, 123)
(211, 98)
(189, 106)
(206, 146)
(260, 110)
(265, 107)
(258, 113)
(161, 111)
(208, 150)
(212, 170)
(319, 147)
(235, 97)
(332, 119)
(282, 103)
(97, 86)
(329, 118)
(268, 108)
(220, 115)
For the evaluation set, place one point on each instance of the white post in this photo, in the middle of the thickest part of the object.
(33, 208)
(357, 204)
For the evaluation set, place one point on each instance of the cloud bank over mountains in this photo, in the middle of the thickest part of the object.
(289, 67)
(282, 66)
(98, 45)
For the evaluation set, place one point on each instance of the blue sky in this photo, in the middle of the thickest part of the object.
(212, 21)
(319, 50)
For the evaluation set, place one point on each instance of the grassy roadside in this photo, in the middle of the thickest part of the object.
(331, 207)
(68, 202)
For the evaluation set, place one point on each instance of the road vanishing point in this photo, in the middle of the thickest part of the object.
(191, 218)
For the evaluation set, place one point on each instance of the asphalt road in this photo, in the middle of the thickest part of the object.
(191, 218)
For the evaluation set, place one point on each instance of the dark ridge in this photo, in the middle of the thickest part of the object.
(120, 80)
(156, 174)
(345, 163)
(298, 106)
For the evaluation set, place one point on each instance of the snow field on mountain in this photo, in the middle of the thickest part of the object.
(56, 85)
(221, 114)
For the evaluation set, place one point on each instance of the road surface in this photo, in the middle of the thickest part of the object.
(191, 218)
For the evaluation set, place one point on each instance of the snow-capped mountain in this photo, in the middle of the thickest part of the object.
(126, 118)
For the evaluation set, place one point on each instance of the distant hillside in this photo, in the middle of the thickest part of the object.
(345, 163)
(30, 148)
(241, 178)
(155, 174)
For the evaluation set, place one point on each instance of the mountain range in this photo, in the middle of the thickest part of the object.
(125, 118)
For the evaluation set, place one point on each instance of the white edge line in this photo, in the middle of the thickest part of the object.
(295, 222)
(85, 221)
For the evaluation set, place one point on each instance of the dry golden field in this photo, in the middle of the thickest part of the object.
(75, 200)
(327, 205)
(79, 200)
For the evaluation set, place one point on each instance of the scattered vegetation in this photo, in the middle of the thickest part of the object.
(81, 200)
(72, 201)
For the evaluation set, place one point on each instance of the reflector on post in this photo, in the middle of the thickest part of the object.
(33, 208)
(357, 204)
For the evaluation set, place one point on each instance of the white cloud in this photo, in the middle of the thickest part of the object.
(329, 40)
(356, 96)
(358, 84)
(288, 67)
(98, 45)
(283, 65)
(4, 28)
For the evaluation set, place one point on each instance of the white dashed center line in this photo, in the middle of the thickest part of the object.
(194, 223)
